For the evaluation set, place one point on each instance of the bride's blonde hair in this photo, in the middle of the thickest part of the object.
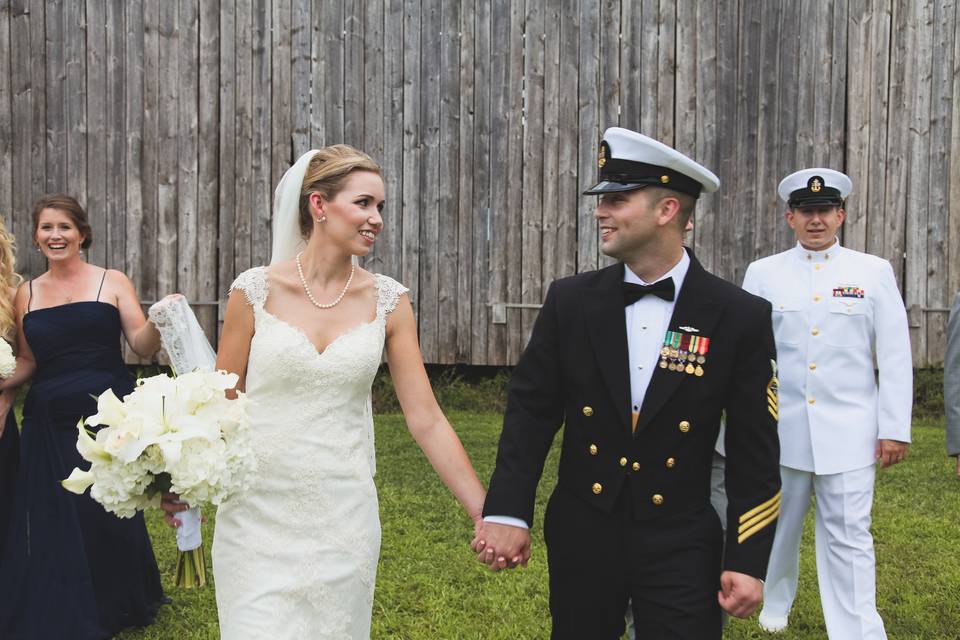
(8, 278)
(326, 174)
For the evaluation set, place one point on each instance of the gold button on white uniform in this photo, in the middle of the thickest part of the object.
(812, 401)
(813, 366)
(816, 298)
(815, 331)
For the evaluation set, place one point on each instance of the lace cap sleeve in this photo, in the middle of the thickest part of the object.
(253, 284)
(388, 294)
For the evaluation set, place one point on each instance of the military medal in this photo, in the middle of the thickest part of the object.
(689, 368)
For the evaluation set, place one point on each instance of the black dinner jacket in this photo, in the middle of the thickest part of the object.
(574, 372)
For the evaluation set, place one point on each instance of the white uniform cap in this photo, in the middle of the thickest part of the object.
(630, 160)
(815, 187)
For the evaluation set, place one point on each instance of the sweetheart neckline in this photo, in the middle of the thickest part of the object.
(300, 332)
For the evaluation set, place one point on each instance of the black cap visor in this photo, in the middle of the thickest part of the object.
(608, 186)
(803, 198)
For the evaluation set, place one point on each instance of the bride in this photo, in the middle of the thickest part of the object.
(296, 556)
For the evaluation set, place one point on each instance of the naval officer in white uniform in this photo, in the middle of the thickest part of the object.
(838, 318)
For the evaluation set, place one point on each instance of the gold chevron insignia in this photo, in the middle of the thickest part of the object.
(773, 388)
(759, 517)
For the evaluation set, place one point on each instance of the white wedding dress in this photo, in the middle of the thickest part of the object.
(295, 557)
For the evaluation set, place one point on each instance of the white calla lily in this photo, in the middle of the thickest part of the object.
(78, 482)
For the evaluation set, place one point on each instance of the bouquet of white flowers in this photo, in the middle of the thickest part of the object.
(179, 434)
(8, 362)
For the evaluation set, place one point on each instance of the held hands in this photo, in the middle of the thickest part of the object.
(890, 452)
(501, 546)
(171, 506)
(739, 594)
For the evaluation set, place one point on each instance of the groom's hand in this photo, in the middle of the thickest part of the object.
(502, 546)
(739, 594)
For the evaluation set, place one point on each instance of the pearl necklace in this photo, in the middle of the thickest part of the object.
(303, 281)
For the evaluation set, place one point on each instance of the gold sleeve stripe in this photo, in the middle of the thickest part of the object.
(757, 518)
(774, 412)
(760, 507)
(758, 527)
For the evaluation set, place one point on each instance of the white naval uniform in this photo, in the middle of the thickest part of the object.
(837, 316)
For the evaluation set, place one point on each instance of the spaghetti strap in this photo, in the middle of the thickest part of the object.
(102, 278)
(30, 299)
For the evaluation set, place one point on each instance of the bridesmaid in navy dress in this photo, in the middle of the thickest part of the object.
(70, 569)
(9, 436)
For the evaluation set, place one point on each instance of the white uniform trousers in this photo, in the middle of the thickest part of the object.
(846, 566)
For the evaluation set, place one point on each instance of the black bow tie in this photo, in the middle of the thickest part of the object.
(633, 292)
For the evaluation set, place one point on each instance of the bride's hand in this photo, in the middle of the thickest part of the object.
(170, 503)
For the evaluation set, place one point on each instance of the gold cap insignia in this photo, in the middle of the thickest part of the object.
(815, 185)
(664, 179)
(602, 158)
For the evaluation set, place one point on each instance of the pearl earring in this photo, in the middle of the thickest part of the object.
(322, 219)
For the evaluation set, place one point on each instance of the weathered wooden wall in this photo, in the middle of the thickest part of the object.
(173, 120)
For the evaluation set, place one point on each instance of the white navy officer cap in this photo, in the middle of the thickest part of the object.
(630, 160)
(815, 187)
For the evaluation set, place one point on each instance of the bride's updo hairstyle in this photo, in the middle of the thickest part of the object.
(326, 174)
(8, 278)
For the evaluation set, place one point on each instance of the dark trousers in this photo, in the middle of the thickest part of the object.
(669, 568)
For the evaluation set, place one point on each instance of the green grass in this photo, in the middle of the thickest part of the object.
(430, 587)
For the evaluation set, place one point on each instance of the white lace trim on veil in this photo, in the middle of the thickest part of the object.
(181, 336)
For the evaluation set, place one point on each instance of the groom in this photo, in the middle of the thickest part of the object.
(639, 361)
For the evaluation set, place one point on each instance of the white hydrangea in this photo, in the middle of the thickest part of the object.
(8, 363)
(180, 434)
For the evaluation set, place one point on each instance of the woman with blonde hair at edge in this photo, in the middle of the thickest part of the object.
(9, 434)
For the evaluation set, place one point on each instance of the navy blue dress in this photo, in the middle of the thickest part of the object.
(70, 569)
(9, 463)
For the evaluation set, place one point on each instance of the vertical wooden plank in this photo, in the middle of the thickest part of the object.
(480, 214)
(448, 294)
(550, 177)
(514, 184)
(227, 147)
(466, 297)
(75, 27)
(6, 133)
(859, 126)
(96, 128)
(390, 242)
(743, 214)
(918, 168)
(686, 62)
(208, 205)
(301, 62)
(55, 91)
(568, 149)
(533, 151)
(354, 75)
(429, 177)
(21, 107)
(167, 161)
(789, 92)
(499, 174)
(610, 78)
(281, 89)
(116, 162)
(666, 69)
(807, 83)
(38, 142)
(706, 132)
(589, 132)
(874, 191)
(953, 224)
(649, 42)
(261, 177)
(939, 294)
(410, 270)
(631, 66)
(373, 107)
(897, 160)
(765, 207)
(188, 80)
(243, 172)
(836, 133)
(149, 232)
(134, 108)
(331, 57)
(731, 177)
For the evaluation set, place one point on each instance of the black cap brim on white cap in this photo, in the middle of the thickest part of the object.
(816, 187)
(630, 160)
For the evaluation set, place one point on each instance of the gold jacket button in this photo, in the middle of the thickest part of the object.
(588, 411)
(657, 499)
(623, 462)
(813, 366)
(670, 463)
(636, 466)
(593, 449)
(815, 331)
(684, 426)
(597, 488)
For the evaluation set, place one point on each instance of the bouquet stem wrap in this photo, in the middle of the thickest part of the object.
(191, 564)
